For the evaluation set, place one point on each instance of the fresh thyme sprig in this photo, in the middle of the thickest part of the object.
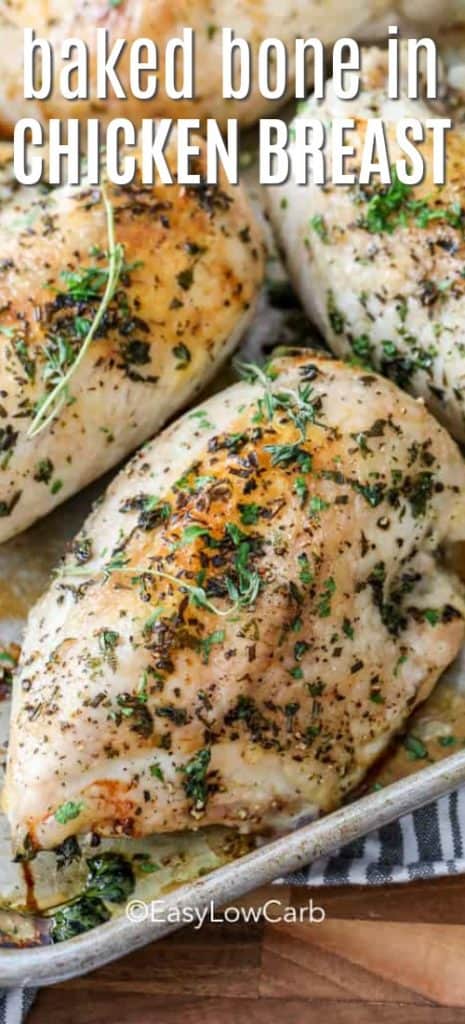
(256, 375)
(197, 595)
(298, 404)
(52, 404)
(245, 586)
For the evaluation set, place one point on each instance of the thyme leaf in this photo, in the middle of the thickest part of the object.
(52, 404)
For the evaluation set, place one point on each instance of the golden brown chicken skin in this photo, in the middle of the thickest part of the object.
(184, 265)
(379, 268)
(249, 616)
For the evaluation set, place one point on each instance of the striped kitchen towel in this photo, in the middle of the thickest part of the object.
(15, 1005)
(426, 844)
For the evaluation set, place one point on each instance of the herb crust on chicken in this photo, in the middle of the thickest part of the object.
(117, 306)
(247, 618)
(380, 268)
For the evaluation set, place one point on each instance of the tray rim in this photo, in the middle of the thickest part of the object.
(47, 965)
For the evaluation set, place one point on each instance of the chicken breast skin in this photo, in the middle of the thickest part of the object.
(380, 268)
(191, 265)
(249, 616)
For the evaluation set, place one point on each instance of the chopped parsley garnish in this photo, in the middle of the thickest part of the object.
(318, 224)
(415, 747)
(43, 471)
(317, 505)
(373, 493)
(336, 318)
(68, 812)
(301, 488)
(392, 206)
(306, 575)
(206, 645)
(195, 778)
(324, 605)
(108, 640)
(157, 772)
(249, 514)
(348, 629)
(432, 616)
(192, 533)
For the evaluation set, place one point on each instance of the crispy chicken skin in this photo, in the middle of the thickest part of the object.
(380, 270)
(247, 618)
(192, 268)
(160, 20)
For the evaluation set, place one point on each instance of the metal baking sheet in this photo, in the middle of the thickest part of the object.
(25, 565)
(46, 965)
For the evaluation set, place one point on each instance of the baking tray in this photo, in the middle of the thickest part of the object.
(25, 564)
(46, 965)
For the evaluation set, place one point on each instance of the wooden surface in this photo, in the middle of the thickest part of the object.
(394, 955)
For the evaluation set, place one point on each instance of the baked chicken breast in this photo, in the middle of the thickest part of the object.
(116, 307)
(247, 618)
(380, 268)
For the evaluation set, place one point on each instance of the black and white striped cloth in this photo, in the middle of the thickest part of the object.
(427, 844)
(15, 1005)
